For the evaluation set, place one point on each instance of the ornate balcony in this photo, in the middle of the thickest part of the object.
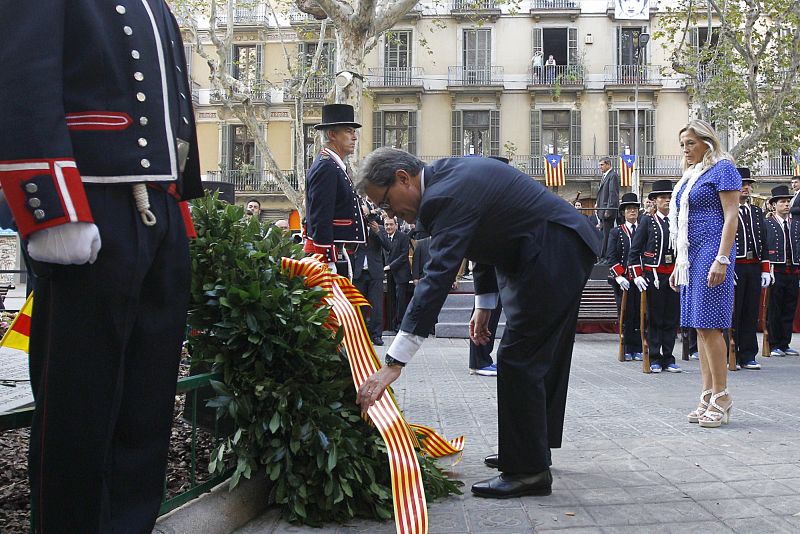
(297, 17)
(258, 92)
(246, 16)
(392, 79)
(317, 88)
(565, 77)
(253, 181)
(475, 8)
(555, 8)
(475, 77)
(630, 75)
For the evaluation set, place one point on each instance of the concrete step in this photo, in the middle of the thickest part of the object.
(461, 330)
(459, 300)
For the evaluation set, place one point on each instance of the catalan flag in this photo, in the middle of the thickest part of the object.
(796, 157)
(627, 164)
(14, 358)
(554, 170)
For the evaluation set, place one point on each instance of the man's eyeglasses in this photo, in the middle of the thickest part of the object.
(384, 204)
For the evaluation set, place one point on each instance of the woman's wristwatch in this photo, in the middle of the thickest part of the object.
(724, 260)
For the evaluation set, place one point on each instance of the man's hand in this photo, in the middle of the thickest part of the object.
(373, 387)
(374, 227)
(641, 283)
(479, 326)
(67, 244)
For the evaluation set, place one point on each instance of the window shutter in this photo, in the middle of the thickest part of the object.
(613, 133)
(649, 140)
(694, 38)
(412, 132)
(536, 142)
(188, 51)
(377, 129)
(232, 61)
(456, 134)
(619, 46)
(537, 41)
(259, 64)
(572, 46)
(574, 141)
(224, 146)
(494, 132)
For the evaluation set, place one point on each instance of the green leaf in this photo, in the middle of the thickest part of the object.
(275, 422)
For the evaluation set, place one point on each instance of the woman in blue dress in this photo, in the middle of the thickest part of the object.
(703, 220)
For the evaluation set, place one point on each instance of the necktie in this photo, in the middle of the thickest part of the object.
(633, 228)
(788, 239)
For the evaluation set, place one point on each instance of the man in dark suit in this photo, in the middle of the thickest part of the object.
(607, 199)
(795, 204)
(96, 152)
(367, 263)
(529, 246)
(399, 267)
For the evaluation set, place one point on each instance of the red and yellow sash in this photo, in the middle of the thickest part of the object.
(410, 511)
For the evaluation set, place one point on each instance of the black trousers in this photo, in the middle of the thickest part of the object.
(104, 351)
(782, 304)
(745, 311)
(372, 289)
(663, 313)
(480, 356)
(631, 331)
(541, 303)
(401, 303)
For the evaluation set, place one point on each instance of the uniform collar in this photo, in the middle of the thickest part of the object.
(335, 157)
(779, 218)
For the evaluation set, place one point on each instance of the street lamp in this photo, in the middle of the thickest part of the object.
(641, 43)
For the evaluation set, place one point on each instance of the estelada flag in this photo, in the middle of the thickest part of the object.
(554, 170)
(796, 157)
(627, 163)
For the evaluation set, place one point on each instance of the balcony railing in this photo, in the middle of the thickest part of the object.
(395, 77)
(775, 166)
(631, 74)
(474, 5)
(254, 181)
(317, 88)
(299, 17)
(246, 16)
(195, 93)
(468, 75)
(256, 92)
(555, 4)
(587, 166)
(550, 75)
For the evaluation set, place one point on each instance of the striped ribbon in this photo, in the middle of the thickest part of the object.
(410, 509)
(18, 334)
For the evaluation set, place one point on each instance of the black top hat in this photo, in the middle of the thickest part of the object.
(744, 172)
(782, 191)
(660, 187)
(337, 115)
(629, 199)
(501, 158)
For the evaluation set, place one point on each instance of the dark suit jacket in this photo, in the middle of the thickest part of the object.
(489, 212)
(373, 249)
(397, 259)
(422, 256)
(608, 196)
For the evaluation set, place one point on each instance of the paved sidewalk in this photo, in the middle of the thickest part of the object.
(630, 462)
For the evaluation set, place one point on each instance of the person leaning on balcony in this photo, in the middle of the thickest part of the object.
(333, 209)
(550, 69)
(96, 153)
(536, 64)
(703, 218)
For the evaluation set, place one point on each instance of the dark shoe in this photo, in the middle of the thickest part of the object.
(505, 486)
(378, 342)
(492, 461)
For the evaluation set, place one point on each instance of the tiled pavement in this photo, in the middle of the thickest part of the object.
(630, 461)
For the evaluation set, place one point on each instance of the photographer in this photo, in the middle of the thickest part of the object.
(368, 271)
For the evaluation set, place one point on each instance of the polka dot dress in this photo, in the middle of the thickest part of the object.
(703, 306)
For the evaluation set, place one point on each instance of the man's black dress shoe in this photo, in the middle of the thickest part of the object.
(506, 486)
(493, 461)
(378, 342)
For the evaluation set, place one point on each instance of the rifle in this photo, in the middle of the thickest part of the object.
(765, 342)
(643, 330)
(731, 341)
(622, 306)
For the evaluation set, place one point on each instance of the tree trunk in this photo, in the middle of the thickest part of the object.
(350, 46)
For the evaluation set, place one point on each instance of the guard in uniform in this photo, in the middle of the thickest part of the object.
(651, 262)
(783, 252)
(97, 148)
(617, 251)
(333, 209)
(752, 274)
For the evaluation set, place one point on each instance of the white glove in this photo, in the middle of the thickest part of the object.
(623, 282)
(66, 244)
(641, 283)
(766, 279)
(332, 267)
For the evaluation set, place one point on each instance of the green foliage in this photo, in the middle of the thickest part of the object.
(286, 385)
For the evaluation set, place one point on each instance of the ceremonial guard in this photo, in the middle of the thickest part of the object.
(333, 209)
(752, 274)
(97, 149)
(651, 261)
(617, 251)
(783, 252)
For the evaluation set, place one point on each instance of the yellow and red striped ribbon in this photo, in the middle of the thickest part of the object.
(410, 509)
(18, 334)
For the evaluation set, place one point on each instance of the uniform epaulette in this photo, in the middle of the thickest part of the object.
(324, 156)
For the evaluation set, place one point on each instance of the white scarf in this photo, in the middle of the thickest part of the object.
(679, 223)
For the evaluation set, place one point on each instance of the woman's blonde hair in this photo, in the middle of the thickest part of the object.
(708, 135)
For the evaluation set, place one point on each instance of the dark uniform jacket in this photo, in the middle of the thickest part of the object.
(333, 209)
(751, 241)
(373, 249)
(397, 258)
(650, 246)
(776, 242)
(619, 246)
(488, 212)
(85, 105)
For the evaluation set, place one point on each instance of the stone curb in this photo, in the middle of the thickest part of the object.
(220, 511)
